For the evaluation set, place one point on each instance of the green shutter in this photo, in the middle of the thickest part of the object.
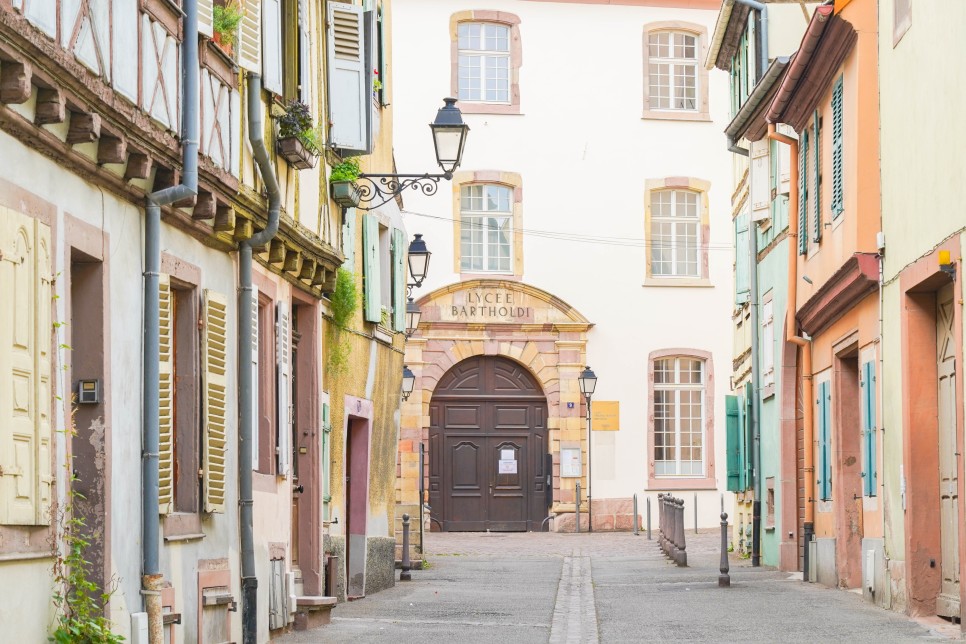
(749, 463)
(398, 280)
(869, 475)
(817, 171)
(742, 258)
(803, 194)
(824, 417)
(733, 442)
(838, 199)
(370, 268)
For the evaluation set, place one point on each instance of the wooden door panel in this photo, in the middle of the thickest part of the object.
(463, 416)
(508, 490)
(509, 416)
(466, 484)
(947, 603)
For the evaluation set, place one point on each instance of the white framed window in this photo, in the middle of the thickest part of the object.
(484, 62)
(679, 416)
(675, 233)
(673, 70)
(768, 343)
(486, 228)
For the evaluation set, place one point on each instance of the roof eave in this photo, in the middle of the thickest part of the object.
(720, 27)
(758, 101)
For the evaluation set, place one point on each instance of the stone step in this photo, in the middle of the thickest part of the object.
(313, 611)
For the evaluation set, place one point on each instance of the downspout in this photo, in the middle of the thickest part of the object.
(804, 344)
(246, 420)
(152, 578)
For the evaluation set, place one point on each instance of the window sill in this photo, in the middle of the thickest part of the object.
(383, 334)
(684, 282)
(672, 483)
(182, 526)
(489, 108)
(768, 392)
(671, 115)
(489, 276)
(769, 528)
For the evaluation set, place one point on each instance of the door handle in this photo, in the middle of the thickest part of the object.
(298, 488)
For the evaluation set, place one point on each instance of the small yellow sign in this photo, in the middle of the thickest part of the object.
(606, 415)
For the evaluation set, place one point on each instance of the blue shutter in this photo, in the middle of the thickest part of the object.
(869, 475)
(803, 193)
(742, 258)
(733, 442)
(349, 98)
(742, 448)
(370, 269)
(817, 182)
(838, 199)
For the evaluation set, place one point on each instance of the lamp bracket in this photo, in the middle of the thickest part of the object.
(382, 188)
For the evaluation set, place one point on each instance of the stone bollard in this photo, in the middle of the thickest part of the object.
(660, 522)
(648, 518)
(578, 506)
(724, 579)
(405, 575)
(682, 555)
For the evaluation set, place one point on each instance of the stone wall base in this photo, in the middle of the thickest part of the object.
(610, 515)
(380, 564)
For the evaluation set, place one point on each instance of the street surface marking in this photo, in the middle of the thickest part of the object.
(574, 612)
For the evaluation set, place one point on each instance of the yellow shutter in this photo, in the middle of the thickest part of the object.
(25, 396)
(214, 372)
(166, 401)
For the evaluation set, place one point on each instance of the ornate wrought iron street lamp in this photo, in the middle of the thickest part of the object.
(412, 317)
(588, 382)
(449, 139)
(408, 382)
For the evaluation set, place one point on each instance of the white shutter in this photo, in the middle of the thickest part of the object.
(214, 373)
(256, 422)
(166, 398)
(250, 41)
(272, 46)
(785, 160)
(348, 94)
(305, 55)
(283, 359)
(206, 17)
(760, 181)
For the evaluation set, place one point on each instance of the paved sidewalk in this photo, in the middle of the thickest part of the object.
(606, 587)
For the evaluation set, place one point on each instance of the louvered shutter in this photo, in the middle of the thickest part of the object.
(256, 421)
(214, 374)
(732, 442)
(206, 17)
(803, 194)
(25, 396)
(742, 448)
(250, 40)
(398, 280)
(305, 55)
(760, 181)
(817, 178)
(166, 400)
(272, 45)
(326, 457)
(869, 474)
(349, 239)
(742, 258)
(370, 268)
(283, 360)
(784, 161)
(838, 198)
(348, 94)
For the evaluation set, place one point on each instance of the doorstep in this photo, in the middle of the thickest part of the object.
(312, 611)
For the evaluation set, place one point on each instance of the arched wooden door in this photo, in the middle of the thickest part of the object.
(488, 447)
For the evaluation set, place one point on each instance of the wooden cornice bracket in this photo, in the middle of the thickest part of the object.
(15, 78)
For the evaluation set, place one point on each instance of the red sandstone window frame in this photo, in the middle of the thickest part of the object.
(516, 59)
(701, 112)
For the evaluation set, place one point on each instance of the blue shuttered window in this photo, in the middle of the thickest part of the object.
(749, 461)
(869, 474)
(838, 200)
(742, 259)
(823, 417)
(733, 406)
(803, 194)
(817, 176)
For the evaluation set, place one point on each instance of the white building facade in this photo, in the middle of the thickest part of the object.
(589, 223)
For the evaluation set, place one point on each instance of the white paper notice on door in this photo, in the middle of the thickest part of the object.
(507, 455)
(508, 466)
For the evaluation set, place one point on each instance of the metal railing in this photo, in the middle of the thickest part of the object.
(671, 528)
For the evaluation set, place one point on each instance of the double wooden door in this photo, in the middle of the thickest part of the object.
(487, 448)
(947, 604)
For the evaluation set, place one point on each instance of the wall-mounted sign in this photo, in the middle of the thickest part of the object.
(605, 415)
(490, 305)
(508, 466)
(569, 462)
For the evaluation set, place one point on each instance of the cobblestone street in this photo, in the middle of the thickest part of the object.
(605, 587)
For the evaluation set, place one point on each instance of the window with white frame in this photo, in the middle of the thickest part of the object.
(675, 233)
(484, 62)
(768, 343)
(673, 67)
(679, 395)
(486, 234)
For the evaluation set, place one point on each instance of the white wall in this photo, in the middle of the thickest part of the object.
(584, 153)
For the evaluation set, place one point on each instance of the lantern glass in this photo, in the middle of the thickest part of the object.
(449, 136)
(588, 382)
(412, 317)
(408, 382)
(418, 259)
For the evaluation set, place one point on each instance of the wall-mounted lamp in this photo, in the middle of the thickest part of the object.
(408, 382)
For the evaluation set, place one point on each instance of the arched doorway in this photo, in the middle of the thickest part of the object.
(488, 448)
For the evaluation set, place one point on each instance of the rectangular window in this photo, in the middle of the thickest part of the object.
(679, 417)
(484, 62)
(770, 503)
(768, 343)
(485, 228)
(673, 60)
(675, 233)
(186, 397)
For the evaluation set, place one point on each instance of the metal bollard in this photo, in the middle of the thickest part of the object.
(649, 518)
(637, 523)
(578, 506)
(405, 575)
(695, 513)
(724, 579)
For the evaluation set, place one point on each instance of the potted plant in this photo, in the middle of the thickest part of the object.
(225, 25)
(298, 139)
(345, 192)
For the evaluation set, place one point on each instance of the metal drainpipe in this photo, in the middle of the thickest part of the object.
(152, 578)
(246, 434)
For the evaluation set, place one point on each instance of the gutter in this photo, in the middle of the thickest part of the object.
(804, 344)
(152, 578)
(797, 68)
(246, 420)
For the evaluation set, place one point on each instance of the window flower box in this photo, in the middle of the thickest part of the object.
(294, 150)
(345, 193)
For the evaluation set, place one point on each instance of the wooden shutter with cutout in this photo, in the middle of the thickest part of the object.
(166, 402)
(214, 374)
